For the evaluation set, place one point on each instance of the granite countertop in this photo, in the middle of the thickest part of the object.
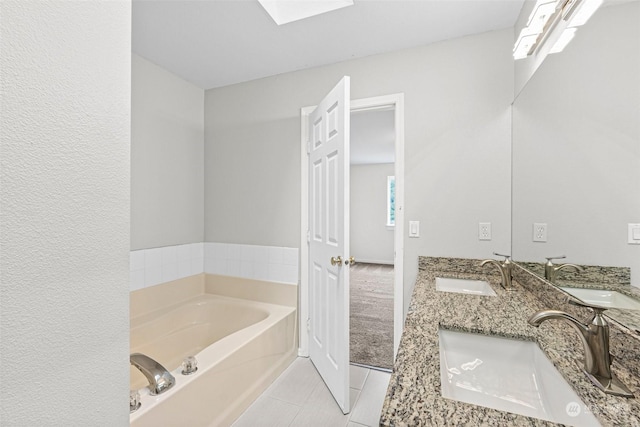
(413, 396)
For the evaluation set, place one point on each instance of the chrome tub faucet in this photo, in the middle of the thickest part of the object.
(160, 380)
(551, 270)
(506, 268)
(594, 334)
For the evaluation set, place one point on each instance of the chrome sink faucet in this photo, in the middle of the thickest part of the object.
(594, 334)
(160, 380)
(551, 270)
(506, 268)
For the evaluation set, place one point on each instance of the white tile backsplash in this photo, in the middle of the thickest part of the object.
(197, 250)
(169, 255)
(169, 272)
(136, 260)
(251, 261)
(234, 252)
(136, 279)
(184, 268)
(184, 253)
(152, 266)
(290, 256)
(149, 267)
(275, 255)
(247, 253)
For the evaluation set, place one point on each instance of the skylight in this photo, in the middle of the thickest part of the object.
(285, 11)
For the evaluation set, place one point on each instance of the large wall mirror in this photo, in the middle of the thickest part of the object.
(576, 157)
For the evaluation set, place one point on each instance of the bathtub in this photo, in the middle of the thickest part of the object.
(241, 346)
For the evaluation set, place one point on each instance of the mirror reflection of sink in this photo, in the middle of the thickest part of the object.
(464, 286)
(508, 375)
(603, 298)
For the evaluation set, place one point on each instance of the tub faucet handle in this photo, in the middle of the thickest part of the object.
(134, 401)
(189, 365)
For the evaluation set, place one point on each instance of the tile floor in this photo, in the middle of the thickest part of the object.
(299, 397)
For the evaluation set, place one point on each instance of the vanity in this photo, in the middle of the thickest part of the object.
(414, 396)
(576, 192)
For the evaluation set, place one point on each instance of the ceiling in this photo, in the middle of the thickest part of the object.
(214, 43)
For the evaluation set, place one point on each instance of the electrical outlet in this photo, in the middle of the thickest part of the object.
(484, 231)
(539, 232)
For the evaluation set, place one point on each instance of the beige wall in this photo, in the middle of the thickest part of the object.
(457, 149)
(64, 221)
(370, 238)
(167, 148)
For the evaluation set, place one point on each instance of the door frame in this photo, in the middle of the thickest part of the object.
(395, 101)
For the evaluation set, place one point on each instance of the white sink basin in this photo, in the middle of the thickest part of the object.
(509, 375)
(604, 298)
(463, 286)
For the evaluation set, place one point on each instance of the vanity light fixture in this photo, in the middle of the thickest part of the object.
(537, 24)
(545, 18)
(285, 11)
(575, 13)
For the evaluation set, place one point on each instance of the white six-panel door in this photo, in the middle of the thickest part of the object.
(328, 239)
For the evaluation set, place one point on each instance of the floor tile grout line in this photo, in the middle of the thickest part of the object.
(279, 400)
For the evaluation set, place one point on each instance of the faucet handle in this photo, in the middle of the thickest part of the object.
(506, 256)
(550, 258)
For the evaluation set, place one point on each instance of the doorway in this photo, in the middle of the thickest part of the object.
(372, 227)
(394, 103)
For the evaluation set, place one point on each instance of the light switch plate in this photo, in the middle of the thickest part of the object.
(414, 228)
(634, 234)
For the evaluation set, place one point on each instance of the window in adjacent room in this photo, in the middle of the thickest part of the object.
(391, 201)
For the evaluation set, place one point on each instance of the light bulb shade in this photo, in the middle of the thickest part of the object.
(525, 43)
(542, 12)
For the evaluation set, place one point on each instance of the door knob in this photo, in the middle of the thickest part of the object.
(336, 260)
(350, 261)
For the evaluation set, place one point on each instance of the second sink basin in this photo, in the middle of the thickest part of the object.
(604, 298)
(508, 375)
(464, 286)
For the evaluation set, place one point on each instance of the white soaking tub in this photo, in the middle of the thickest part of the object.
(240, 345)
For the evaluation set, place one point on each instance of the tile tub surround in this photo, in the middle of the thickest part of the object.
(413, 397)
(273, 263)
(151, 267)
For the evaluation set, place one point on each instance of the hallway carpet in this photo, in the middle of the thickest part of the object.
(371, 320)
